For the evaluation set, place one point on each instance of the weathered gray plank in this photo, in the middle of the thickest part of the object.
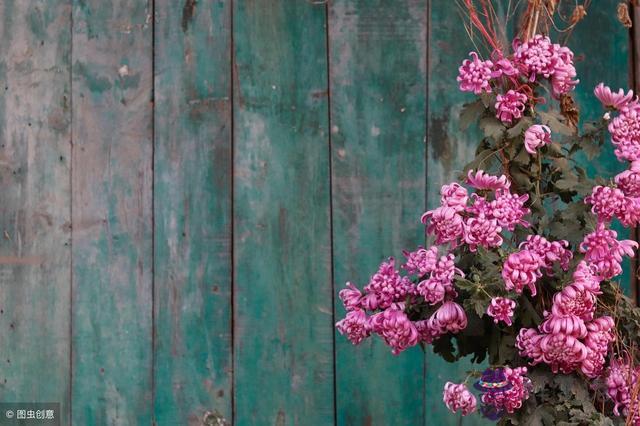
(192, 208)
(34, 213)
(112, 217)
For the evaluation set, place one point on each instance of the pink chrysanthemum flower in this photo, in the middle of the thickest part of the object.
(445, 223)
(513, 398)
(593, 365)
(598, 341)
(561, 352)
(483, 181)
(510, 106)
(395, 328)
(508, 209)
(550, 252)
(611, 99)
(586, 276)
(483, 232)
(574, 299)
(355, 326)
(528, 344)
(475, 75)
(536, 137)
(520, 270)
(450, 317)
(568, 325)
(440, 284)
(454, 196)
(606, 202)
(502, 66)
(479, 206)
(629, 183)
(537, 56)
(625, 133)
(457, 397)
(421, 261)
(501, 309)
(446, 269)
(387, 286)
(426, 331)
(604, 252)
(629, 213)
(433, 290)
(564, 73)
(350, 297)
(621, 381)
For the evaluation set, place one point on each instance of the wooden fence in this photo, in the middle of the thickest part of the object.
(185, 186)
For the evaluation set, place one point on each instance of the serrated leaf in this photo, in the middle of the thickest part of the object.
(488, 99)
(482, 161)
(471, 113)
(492, 127)
(520, 127)
(444, 347)
(561, 164)
(523, 157)
(566, 184)
(553, 120)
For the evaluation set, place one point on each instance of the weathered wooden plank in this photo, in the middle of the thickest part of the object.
(283, 341)
(192, 208)
(112, 213)
(35, 148)
(378, 109)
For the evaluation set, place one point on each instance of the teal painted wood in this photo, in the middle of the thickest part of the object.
(35, 250)
(192, 208)
(602, 46)
(283, 331)
(378, 108)
(112, 215)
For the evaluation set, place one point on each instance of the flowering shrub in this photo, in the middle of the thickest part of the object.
(523, 254)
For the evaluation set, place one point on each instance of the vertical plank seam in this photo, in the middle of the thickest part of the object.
(331, 249)
(153, 212)
(232, 245)
(71, 212)
(426, 178)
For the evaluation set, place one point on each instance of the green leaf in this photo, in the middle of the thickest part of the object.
(488, 99)
(483, 160)
(553, 119)
(518, 129)
(567, 183)
(492, 127)
(471, 113)
(444, 347)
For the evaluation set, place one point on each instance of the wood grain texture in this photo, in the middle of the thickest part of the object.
(283, 336)
(112, 214)
(35, 250)
(378, 109)
(192, 208)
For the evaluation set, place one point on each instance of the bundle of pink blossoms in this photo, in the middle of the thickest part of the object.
(533, 60)
(523, 254)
